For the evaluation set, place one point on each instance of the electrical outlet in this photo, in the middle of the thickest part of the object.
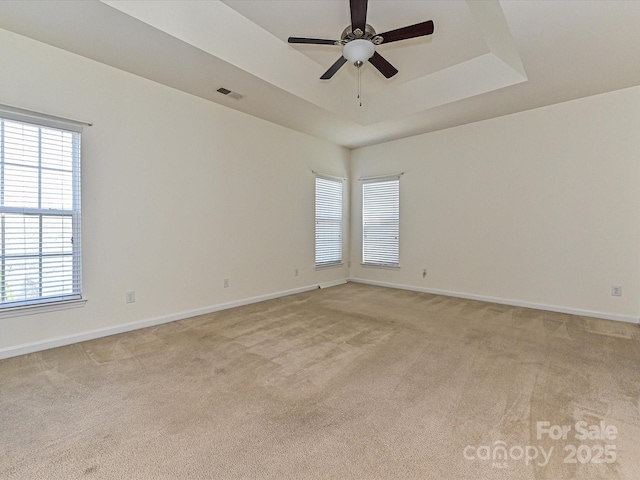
(225, 283)
(130, 297)
(296, 272)
(424, 273)
(616, 291)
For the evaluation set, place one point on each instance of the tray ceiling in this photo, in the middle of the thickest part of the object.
(485, 58)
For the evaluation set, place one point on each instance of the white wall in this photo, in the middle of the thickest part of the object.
(539, 208)
(178, 194)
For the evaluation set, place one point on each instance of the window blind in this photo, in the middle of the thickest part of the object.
(40, 257)
(328, 221)
(381, 222)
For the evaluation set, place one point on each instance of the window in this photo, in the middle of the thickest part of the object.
(328, 221)
(381, 222)
(40, 259)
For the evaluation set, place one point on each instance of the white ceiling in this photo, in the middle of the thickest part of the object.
(485, 58)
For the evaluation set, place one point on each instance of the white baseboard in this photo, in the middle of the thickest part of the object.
(14, 351)
(61, 341)
(333, 283)
(503, 301)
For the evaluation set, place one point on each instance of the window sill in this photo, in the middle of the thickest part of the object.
(381, 265)
(329, 265)
(41, 308)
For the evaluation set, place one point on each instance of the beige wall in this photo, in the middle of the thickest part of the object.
(540, 208)
(178, 194)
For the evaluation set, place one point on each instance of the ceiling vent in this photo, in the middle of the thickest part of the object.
(229, 93)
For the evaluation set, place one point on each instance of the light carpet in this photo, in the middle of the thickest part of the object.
(349, 382)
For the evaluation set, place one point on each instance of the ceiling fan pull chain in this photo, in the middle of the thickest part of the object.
(359, 85)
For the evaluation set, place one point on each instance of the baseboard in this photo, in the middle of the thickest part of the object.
(503, 301)
(334, 283)
(61, 341)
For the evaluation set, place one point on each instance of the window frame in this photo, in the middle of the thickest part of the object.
(384, 225)
(45, 124)
(335, 218)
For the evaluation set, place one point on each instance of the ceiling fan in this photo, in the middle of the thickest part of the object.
(359, 41)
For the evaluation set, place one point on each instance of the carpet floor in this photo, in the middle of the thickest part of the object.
(349, 382)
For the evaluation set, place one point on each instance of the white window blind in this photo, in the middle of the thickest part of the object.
(40, 259)
(328, 221)
(381, 222)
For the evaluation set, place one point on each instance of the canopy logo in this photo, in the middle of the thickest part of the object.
(499, 453)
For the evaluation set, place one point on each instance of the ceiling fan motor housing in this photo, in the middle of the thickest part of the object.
(348, 34)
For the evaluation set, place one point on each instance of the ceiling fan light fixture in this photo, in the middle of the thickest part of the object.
(358, 51)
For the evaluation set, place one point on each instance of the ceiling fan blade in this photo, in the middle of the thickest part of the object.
(315, 41)
(404, 33)
(382, 65)
(333, 69)
(358, 14)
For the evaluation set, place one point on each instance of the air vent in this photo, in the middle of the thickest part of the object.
(229, 93)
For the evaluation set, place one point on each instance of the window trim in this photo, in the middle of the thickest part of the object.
(44, 307)
(42, 119)
(372, 264)
(75, 299)
(340, 182)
